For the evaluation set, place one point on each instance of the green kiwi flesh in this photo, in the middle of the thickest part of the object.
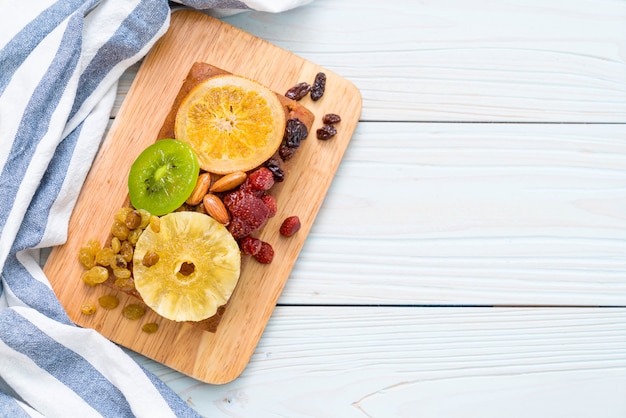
(163, 176)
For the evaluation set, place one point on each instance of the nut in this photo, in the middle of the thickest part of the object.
(229, 182)
(202, 188)
(215, 208)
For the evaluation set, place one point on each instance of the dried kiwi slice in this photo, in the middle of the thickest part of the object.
(163, 176)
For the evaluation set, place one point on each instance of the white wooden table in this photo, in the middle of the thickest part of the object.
(470, 258)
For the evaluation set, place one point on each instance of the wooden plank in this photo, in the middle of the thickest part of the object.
(427, 362)
(471, 214)
(211, 357)
(460, 60)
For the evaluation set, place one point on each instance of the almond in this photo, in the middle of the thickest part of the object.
(201, 189)
(229, 182)
(215, 208)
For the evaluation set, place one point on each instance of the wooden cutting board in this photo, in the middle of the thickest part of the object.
(221, 356)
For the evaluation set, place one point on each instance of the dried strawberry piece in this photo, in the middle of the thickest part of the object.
(250, 245)
(248, 213)
(261, 179)
(270, 202)
(265, 254)
(290, 226)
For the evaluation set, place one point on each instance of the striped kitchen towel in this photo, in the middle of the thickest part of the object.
(60, 61)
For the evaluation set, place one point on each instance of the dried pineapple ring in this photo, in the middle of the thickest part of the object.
(197, 269)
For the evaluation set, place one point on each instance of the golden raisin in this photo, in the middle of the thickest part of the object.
(95, 275)
(121, 273)
(108, 301)
(150, 328)
(133, 236)
(133, 311)
(120, 230)
(88, 308)
(119, 262)
(121, 214)
(150, 258)
(116, 245)
(105, 257)
(87, 254)
(94, 245)
(133, 219)
(86, 258)
(127, 251)
(125, 283)
(155, 224)
(145, 218)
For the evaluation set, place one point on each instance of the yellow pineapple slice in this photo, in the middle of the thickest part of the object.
(197, 267)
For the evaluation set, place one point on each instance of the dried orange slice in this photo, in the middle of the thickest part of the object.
(197, 267)
(231, 122)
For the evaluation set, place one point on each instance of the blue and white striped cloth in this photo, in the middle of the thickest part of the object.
(60, 61)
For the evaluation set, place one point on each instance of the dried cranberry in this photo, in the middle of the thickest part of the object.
(265, 254)
(290, 226)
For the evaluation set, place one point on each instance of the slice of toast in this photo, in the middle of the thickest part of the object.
(198, 73)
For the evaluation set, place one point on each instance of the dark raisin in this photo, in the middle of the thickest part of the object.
(298, 91)
(331, 119)
(295, 132)
(274, 165)
(326, 132)
(286, 152)
(318, 87)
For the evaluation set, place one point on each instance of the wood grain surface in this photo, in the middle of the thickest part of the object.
(462, 60)
(221, 356)
(425, 362)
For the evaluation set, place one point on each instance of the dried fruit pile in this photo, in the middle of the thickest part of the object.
(229, 179)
